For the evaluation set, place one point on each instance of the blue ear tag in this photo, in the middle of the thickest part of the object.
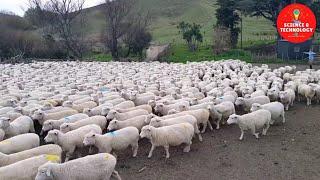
(66, 119)
(104, 89)
(112, 133)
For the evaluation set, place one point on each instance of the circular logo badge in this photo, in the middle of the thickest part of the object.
(296, 23)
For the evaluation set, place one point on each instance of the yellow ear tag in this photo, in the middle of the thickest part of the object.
(52, 158)
(5, 142)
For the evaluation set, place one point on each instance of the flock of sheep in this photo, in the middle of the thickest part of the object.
(110, 106)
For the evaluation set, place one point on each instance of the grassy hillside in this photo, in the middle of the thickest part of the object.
(167, 14)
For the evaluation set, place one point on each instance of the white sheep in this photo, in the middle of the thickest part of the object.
(55, 124)
(202, 116)
(51, 149)
(246, 103)
(96, 111)
(80, 107)
(138, 122)
(158, 122)
(127, 115)
(26, 169)
(114, 141)
(99, 166)
(252, 121)
(221, 112)
(166, 136)
(306, 91)
(42, 116)
(101, 121)
(287, 98)
(275, 108)
(71, 140)
(19, 143)
(22, 125)
(162, 109)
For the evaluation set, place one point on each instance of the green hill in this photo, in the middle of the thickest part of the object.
(167, 14)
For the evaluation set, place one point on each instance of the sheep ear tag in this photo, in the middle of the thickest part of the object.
(52, 158)
(106, 157)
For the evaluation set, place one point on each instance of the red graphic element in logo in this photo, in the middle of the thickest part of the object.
(296, 23)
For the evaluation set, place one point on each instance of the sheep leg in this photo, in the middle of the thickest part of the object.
(166, 147)
(283, 117)
(241, 136)
(287, 107)
(197, 131)
(151, 151)
(218, 123)
(253, 131)
(135, 147)
(115, 175)
(210, 126)
(187, 148)
(204, 127)
(264, 130)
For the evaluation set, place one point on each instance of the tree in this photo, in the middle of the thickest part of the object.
(191, 33)
(228, 17)
(137, 37)
(117, 24)
(270, 9)
(63, 18)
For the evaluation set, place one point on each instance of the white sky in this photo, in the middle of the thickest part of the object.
(19, 6)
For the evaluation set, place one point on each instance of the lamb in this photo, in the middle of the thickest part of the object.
(98, 120)
(276, 109)
(273, 94)
(252, 121)
(138, 122)
(26, 169)
(99, 166)
(287, 98)
(55, 124)
(162, 109)
(22, 125)
(202, 116)
(306, 91)
(246, 103)
(226, 98)
(195, 107)
(114, 141)
(123, 116)
(42, 116)
(96, 111)
(158, 122)
(166, 136)
(19, 143)
(145, 107)
(71, 140)
(80, 107)
(124, 105)
(221, 112)
(51, 149)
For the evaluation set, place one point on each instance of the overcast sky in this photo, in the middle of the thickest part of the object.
(19, 6)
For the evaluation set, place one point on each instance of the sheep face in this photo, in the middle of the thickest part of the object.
(146, 132)
(255, 107)
(112, 114)
(65, 128)
(155, 122)
(52, 136)
(149, 117)
(67, 104)
(233, 119)
(89, 139)
(47, 106)
(47, 125)
(4, 122)
(38, 115)
(159, 108)
(87, 111)
(240, 101)
(113, 125)
(105, 111)
(44, 173)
